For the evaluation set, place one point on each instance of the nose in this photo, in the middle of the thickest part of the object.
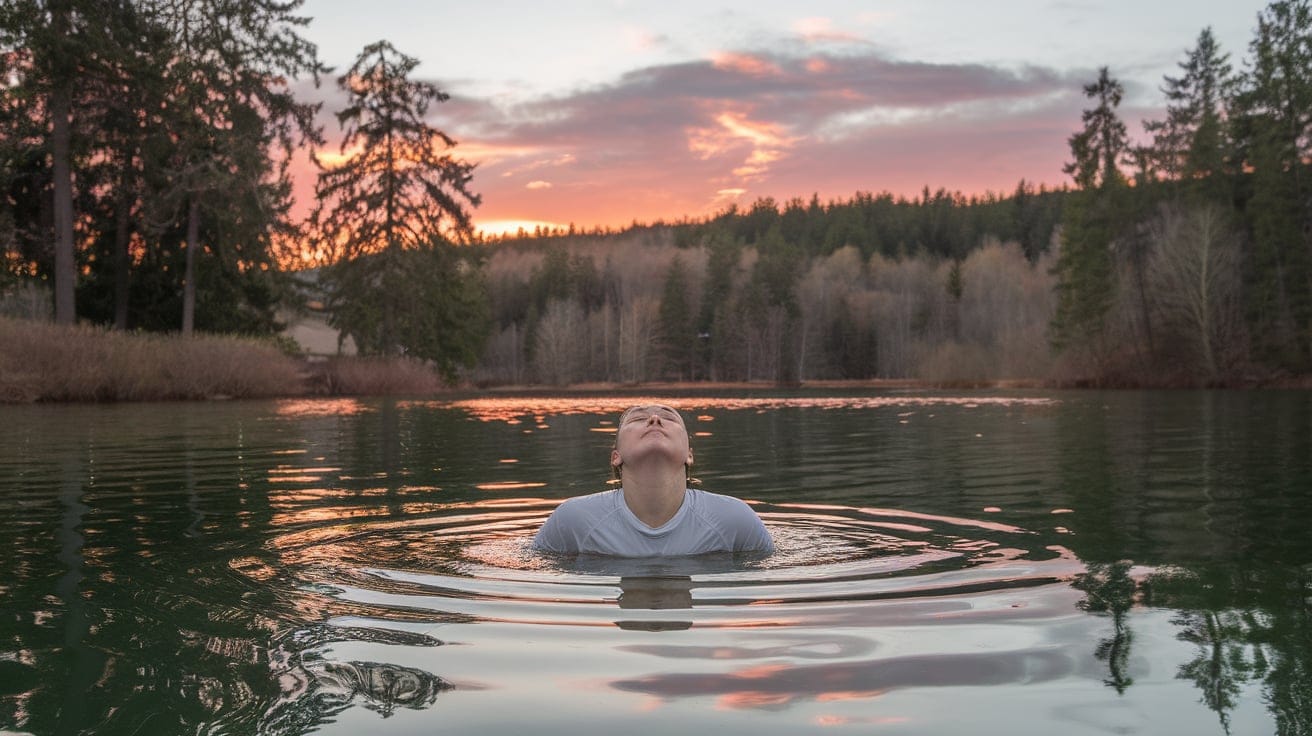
(655, 418)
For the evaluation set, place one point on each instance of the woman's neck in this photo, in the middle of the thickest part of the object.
(654, 499)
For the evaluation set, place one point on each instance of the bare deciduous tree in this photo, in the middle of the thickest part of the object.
(820, 295)
(1195, 279)
(637, 331)
(560, 351)
(1006, 305)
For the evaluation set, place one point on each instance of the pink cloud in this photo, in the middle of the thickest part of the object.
(684, 139)
(744, 64)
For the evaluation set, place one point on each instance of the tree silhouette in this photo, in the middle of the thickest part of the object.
(397, 190)
(1109, 589)
(231, 110)
(1085, 270)
(1274, 136)
(1191, 143)
(62, 43)
(676, 321)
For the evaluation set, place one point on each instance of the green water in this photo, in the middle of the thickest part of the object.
(1011, 563)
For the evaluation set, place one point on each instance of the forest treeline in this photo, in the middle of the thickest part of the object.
(145, 145)
(941, 287)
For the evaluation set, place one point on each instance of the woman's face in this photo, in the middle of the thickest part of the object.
(652, 432)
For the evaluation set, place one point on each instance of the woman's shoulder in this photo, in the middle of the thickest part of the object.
(590, 504)
(734, 518)
(718, 503)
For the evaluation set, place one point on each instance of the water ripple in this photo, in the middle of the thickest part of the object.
(474, 562)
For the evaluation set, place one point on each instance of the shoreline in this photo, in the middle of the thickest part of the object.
(320, 379)
(43, 363)
(583, 389)
(891, 384)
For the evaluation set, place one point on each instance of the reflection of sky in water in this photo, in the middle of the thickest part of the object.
(363, 565)
(293, 408)
(512, 409)
(861, 607)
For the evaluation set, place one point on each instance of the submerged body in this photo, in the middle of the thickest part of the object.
(654, 513)
(602, 523)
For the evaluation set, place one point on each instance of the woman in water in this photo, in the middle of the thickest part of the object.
(653, 512)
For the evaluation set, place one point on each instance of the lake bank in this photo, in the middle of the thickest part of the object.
(42, 362)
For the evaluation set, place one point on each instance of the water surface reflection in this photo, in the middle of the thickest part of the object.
(1126, 562)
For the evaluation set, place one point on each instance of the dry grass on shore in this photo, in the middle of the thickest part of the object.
(40, 361)
(44, 362)
(372, 377)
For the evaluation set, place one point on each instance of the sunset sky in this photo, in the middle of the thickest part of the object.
(600, 113)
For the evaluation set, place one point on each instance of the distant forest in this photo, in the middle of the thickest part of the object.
(940, 287)
(144, 186)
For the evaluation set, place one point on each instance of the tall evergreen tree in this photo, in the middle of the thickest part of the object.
(1085, 271)
(1101, 148)
(1274, 132)
(676, 321)
(398, 190)
(25, 199)
(60, 41)
(119, 108)
(722, 258)
(233, 113)
(1191, 143)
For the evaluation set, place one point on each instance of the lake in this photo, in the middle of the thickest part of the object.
(1009, 562)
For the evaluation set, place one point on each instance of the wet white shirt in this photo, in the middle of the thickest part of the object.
(603, 524)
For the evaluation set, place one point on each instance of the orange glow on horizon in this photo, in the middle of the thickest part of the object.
(732, 155)
(511, 227)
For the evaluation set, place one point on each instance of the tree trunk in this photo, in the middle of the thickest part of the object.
(388, 342)
(122, 260)
(1145, 314)
(65, 265)
(189, 274)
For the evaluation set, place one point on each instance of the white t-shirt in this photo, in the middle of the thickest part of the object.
(601, 523)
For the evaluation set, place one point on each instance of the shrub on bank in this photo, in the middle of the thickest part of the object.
(359, 376)
(47, 362)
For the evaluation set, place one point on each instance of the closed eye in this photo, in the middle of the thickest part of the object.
(665, 413)
(668, 415)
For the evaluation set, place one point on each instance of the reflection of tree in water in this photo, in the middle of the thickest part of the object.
(316, 688)
(1108, 588)
(1249, 626)
(332, 687)
(1289, 684)
(1223, 662)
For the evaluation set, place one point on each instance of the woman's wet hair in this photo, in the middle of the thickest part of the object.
(617, 471)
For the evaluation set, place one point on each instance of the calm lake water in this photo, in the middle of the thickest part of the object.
(1010, 563)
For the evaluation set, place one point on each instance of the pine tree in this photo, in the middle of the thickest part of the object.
(1191, 144)
(232, 112)
(1102, 146)
(60, 42)
(1274, 132)
(1086, 276)
(722, 258)
(397, 191)
(677, 335)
